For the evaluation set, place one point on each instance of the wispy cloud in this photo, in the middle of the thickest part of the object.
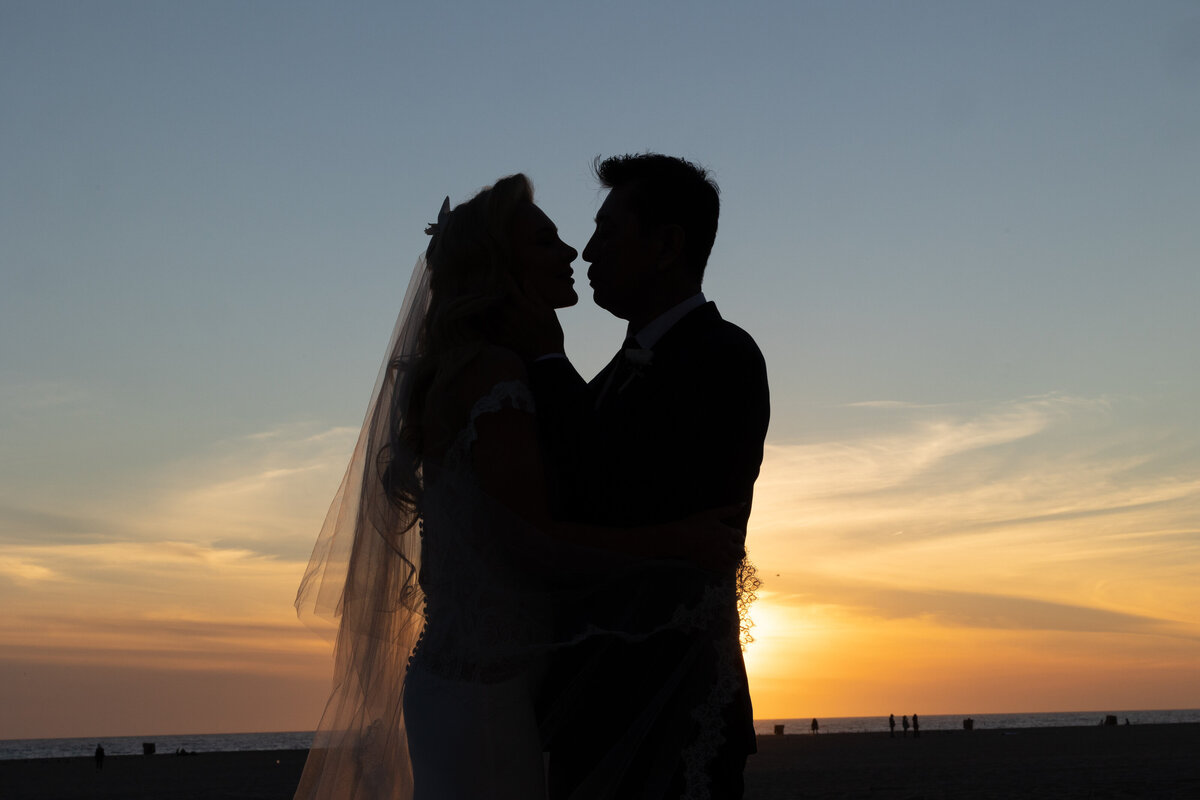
(194, 569)
(891, 404)
(168, 576)
(923, 439)
(192, 644)
(267, 491)
(167, 603)
(23, 571)
(23, 525)
(39, 394)
(966, 609)
(1040, 509)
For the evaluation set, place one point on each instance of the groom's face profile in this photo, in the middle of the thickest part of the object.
(622, 258)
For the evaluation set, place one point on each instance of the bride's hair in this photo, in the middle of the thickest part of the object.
(470, 262)
(471, 269)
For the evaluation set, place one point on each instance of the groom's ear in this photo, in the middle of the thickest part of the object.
(670, 245)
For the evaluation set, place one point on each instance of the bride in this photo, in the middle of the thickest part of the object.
(439, 559)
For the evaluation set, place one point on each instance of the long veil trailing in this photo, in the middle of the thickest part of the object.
(362, 577)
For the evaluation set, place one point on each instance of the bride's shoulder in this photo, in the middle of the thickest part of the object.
(491, 367)
(495, 364)
(490, 379)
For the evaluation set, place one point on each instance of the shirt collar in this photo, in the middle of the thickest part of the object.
(648, 336)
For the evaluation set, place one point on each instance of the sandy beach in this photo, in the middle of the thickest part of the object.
(1139, 761)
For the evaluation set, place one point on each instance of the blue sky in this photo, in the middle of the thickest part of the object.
(935, 216)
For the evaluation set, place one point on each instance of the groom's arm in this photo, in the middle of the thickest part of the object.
(727, 419)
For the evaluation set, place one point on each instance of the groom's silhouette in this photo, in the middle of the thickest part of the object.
(673, 426)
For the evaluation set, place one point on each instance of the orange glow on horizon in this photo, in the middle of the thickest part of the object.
(956, 566)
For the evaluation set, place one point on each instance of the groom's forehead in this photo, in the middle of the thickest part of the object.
(618, 204)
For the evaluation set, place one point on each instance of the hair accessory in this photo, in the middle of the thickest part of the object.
(433, 228)
(444, 212)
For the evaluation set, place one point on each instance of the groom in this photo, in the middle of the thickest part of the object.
(674, 425)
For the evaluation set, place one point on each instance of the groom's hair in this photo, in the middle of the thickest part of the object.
(668, 191)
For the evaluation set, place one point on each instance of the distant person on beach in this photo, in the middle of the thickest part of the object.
(99, 756)
(892, 726)
(904, 723)
(445, 561)
(815, 727)
(916, 727)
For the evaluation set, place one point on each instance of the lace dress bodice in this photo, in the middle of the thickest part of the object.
(484, 620)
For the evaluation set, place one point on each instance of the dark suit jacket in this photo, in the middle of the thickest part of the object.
(684, 434)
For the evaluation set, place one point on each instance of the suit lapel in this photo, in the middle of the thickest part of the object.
(612, 388)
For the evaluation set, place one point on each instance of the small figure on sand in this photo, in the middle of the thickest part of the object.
(904, 723)
(815, 726)
(916, 727)
(99, 756)
(891, 726)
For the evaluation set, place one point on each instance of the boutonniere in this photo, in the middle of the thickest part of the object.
(639, 360)
(639, 357)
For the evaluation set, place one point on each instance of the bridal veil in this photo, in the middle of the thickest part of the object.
(363, 578)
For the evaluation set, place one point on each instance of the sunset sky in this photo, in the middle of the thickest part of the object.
(964, 234)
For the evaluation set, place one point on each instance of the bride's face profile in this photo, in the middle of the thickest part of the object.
(541, 260)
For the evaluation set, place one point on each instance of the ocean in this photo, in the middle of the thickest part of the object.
(300, 740)
(954, 722)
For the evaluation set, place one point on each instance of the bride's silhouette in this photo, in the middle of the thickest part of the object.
(440, 558)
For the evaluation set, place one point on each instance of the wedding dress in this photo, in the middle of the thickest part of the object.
(470, 693)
